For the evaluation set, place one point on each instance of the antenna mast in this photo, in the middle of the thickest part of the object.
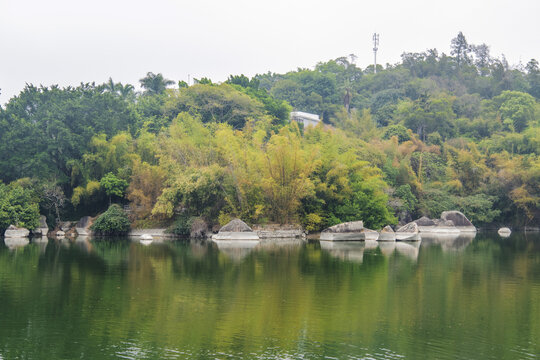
(375, 48)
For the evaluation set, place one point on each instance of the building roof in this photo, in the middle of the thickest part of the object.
(304, 115)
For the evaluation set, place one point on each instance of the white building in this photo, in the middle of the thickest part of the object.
(305, 118)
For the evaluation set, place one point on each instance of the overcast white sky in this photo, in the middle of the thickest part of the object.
(66, 42)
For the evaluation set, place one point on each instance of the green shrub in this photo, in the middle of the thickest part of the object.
(313, 222)
(399, 131)
(18, 207)
(114, 221)
(182, 226)
(404, 193)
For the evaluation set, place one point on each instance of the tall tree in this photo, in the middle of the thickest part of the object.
(482, 58)
(460, 49)
(111, 86)
(516, 109)
(54, 199)
(533, 78)
(126, 91)
(64, 121)
(155, 84)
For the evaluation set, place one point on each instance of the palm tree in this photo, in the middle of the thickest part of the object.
(111, 86)
(155, 84)
(126, 91)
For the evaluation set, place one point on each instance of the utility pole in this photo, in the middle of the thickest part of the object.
(375, 48)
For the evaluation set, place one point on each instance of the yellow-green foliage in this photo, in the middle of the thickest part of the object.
(84, 192)
(260, 175)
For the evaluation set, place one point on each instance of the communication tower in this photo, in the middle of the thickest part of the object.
(375, 48)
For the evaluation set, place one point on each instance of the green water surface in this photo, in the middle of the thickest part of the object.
(465, 298)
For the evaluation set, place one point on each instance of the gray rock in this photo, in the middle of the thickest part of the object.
(409, 228)
(43, 228)
(348, 227)
(60, 233)
(15, 232)
(83, 226)
(387, 234)
(40, 232)
(236, 225)
(504, 232)
(425, 221)
(427, 225)
(73, 233)
(199, 228)
(408, 232)
(349, 231)
(84, 222)
(236, 230)
(370, 234)
(459, 220)
(456, 217)
(441, 222)
(66, 225)
(280, 234)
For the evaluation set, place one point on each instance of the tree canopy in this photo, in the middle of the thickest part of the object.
(433, 132)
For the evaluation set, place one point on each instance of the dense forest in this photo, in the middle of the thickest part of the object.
(434, 132)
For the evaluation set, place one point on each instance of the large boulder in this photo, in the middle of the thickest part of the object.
(43, 222)
(408, 232)
(39, 232)
(66, 226)
(460, 221)
(236, 230)
(349, 231)
(425, 221)
(352, 226)
(435, 226)
(43, 228)
(387, 234)
(411, 227)
(236, 225)
(504, 232)
(15, 232)
(83, 226)
(199, 228)
(369, 234)
(441, 222)
(456, 217)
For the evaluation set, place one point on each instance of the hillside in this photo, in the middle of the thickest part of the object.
(434, 132)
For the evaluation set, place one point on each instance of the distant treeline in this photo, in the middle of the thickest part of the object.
(435, 132)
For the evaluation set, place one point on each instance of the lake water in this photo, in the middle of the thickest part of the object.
(444, 299)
